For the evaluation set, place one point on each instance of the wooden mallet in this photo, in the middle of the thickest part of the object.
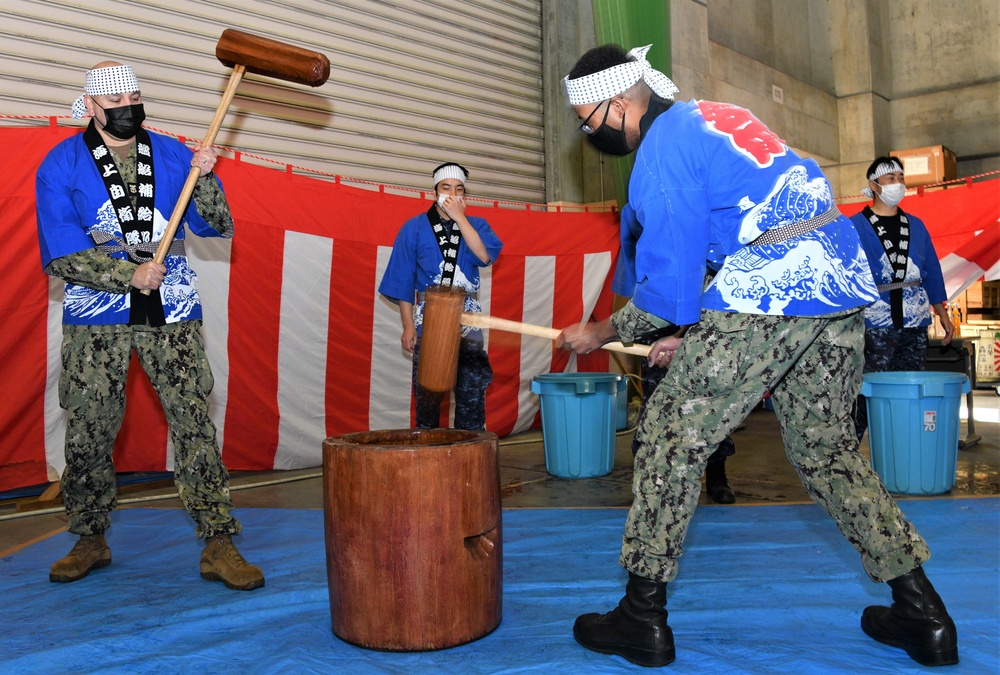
(442, 333)
(487, 321)
(244, 52)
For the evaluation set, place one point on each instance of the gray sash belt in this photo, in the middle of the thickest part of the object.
(116, 245)
(882, 288)
(777, 235)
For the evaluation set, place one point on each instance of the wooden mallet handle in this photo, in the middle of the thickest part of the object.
(194, 172)
(506, 325)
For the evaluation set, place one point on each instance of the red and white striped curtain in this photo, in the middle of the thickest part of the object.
(301, 345)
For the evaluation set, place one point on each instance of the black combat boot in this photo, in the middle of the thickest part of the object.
(716, 483)
(636, 630)
(917, 622)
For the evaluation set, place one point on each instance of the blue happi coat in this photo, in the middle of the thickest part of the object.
(416, 263)
(708, 179)
(72, 202)
(922, 267)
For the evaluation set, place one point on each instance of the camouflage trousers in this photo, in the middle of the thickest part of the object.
(890, 350)
(95, 362)
(651, 376)
(474, 375)
(812, 365)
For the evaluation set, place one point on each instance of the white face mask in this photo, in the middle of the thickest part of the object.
(892, 194)
(442, 197)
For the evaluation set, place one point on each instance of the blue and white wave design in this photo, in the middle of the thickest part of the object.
(82, 305)
(795, 197)
(916, 303)
(820, 272)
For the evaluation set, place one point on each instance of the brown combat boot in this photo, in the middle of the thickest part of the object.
(89, 553)
(220, 561)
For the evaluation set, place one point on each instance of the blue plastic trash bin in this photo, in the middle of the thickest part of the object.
(621, 407)
(621, 420)
(913, 429)
(579, 411)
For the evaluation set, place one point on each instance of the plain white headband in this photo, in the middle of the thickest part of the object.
(449, 171)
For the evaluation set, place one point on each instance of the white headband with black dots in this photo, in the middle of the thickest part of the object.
(605, 84)
(105, 82)
(892, 166)
(449, 171)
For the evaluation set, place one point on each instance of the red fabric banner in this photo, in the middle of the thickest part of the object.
(301, 345)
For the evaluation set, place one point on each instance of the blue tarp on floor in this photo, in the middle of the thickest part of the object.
(762, 589)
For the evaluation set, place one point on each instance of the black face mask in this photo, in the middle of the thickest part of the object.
(123, 122)
(608, 140)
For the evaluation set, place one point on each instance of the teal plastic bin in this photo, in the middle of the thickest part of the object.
(579, 412)
(621, 419)
(913, 429)
(621, 407)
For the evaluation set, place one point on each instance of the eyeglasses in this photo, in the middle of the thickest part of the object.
(585, 127)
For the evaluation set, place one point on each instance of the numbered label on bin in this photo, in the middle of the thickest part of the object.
(930, 420)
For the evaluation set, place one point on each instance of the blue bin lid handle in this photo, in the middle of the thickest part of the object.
(583, 383)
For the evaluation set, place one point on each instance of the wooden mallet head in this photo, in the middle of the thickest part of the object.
(264, 56)
(440, 338)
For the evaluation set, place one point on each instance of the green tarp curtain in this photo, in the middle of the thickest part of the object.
(633, 23)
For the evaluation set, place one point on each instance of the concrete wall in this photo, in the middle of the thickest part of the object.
(773, 57)
(945, 74)
(857, 77)
(863, 77)
(788, 36)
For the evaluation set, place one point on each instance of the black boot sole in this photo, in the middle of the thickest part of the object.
(925, 657)
(64, 578)
(721, 495)
(640, 657)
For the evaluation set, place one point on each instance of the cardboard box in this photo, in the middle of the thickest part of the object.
(926, 166)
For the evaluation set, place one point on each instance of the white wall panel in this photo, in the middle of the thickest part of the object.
(413, 82)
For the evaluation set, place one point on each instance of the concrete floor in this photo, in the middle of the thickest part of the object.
(758, 474)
